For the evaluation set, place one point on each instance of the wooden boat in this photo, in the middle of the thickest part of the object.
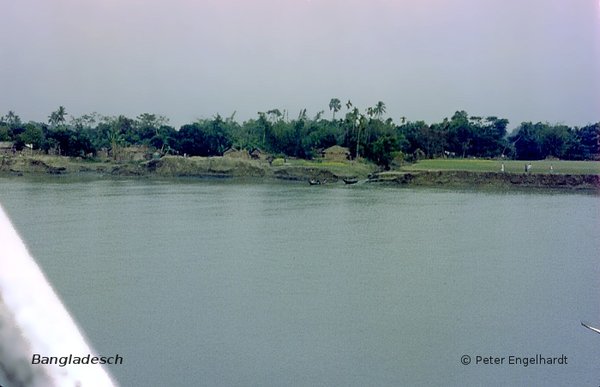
(350, 180)
(314, 182)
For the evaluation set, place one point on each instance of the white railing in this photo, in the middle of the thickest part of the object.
(33, 321)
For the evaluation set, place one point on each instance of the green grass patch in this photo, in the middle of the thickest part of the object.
(321, 163)
(278, 162)
(512, 166)
(350, 168)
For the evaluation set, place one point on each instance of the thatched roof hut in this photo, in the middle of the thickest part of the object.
(336, 153)
(236, 153)
(6, 147)
(257, 154)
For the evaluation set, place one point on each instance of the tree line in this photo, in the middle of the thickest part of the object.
(366, 133)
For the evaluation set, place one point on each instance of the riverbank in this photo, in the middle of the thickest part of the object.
(328, 172)
(176, 166)
(460, 179)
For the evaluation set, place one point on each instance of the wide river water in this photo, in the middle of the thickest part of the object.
(224, 283)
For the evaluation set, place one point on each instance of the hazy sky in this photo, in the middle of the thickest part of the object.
(535, 60)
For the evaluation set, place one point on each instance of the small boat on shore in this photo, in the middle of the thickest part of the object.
(350, 180)
(314, 182)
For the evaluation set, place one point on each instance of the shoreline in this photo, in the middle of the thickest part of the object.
(329, 172)
(502, 180)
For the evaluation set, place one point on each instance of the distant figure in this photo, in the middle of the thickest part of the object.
(502, 168)
(528, 168)
(551, 169)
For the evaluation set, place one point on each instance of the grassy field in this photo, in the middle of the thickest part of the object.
(340, 168)
(513, 166)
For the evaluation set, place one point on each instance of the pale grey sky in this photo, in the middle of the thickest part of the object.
(519, 59)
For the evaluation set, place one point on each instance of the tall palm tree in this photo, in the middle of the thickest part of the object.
(12, 119)
(379, 109)
(370, 113)
(302, 115)
(335, 105)
(57, 117)
(358, 121)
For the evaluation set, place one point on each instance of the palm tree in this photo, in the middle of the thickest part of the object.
(57, 117)
(302, 115)
(358, 121)
(335, 105)
(379, 109)
(12, 119)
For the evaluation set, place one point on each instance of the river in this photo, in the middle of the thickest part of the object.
(227, 283)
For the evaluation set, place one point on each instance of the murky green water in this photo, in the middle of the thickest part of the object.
(220, 283)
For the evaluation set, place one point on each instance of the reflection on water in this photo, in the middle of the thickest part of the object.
(222, 283)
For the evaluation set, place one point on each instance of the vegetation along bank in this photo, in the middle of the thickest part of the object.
(350, 143)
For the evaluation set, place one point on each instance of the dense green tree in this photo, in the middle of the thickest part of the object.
(435, 139)
(5, 133)
(383, 150)
(365, 134)
(419, 137)
(127, 130)
(487, 136)
(192, 140)
(165, 139)
(588, 139)
(147, 125)
(526, 141)
(492, 139)
(411, 132)
(218, 136)
(554, 141)
(67, 142)
(33, 135)
(247, 136)
(204, 138)
(460, 134)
